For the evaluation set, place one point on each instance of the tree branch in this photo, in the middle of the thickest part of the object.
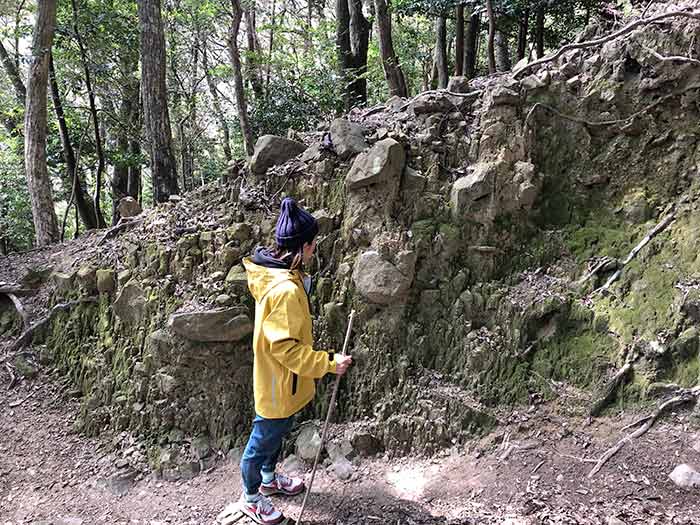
(600, 41)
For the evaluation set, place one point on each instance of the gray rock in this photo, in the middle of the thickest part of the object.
(691, 305)
(383, 162)
(87, 279)
(685, 476)
(475, 186)
(237, 276)
(223, 299)
(120, 483)
(240, 231)
(105, 280)
(326, 224)
(458, 85)
(189, 470)
(271, 150)
(63, 281)
(201, 447)
(342, 468)
(378, 280)
(365, 443)
(234, 455)
(348, 139)
(308, 442)
(130, 304)
(212, 325)
(334, 451)
(432, 102)
(129, 207)
(503, 96)
(531, 82)
(292, 465)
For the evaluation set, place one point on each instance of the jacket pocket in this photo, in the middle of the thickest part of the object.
(294, 383)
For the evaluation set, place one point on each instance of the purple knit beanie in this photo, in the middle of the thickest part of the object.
(295, 226)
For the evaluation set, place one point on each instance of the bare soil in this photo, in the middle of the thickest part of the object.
(532, 470)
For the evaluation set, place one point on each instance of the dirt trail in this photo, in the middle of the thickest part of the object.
(50, 475)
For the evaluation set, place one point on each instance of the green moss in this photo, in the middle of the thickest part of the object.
(600, 236)
(580, 359)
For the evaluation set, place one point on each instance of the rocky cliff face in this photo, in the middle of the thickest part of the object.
(461, 225)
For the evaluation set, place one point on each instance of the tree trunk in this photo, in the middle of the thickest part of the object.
(218, 112)
(459, 41)
(342, 42)
(308, 40)
(246, 130)
(35, 126)
(539, 31)
(71, 179)
(253, 62)
(14, 76)
(502, 52)
(523, 24)
(470, 49)
(392, 68)
(95, 121)
(271, 43)
(155, 101)
(359, 43)
(492, 35)
(441, 51)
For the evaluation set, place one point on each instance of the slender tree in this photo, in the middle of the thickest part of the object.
(472, 44)
(352, 43)
(390, 62)
(502, 52)
(441, 51)
(35, 126)
(539, 30)
(236, 16)
(155, 101)
(99, 219)
(492, 35)
(523, 24)
(216, 103)
(72, 179)
(459, 41)
(253, 62)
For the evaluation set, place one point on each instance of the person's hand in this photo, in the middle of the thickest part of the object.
(342, 363)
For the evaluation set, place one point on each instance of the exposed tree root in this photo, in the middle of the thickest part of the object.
(649, 236)
(610, 389)
(123, 225)
(20, 309)
(28, 335)
(16, 289)
(602, 40)
(682, 398)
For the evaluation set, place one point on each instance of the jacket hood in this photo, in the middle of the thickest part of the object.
(262, 279)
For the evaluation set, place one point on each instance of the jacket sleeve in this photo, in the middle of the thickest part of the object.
(283, 327)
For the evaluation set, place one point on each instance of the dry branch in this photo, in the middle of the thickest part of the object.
(649, 236)
(123, 225)
(16, 289)
(681, 59)
(20, 309)
(685, 397)
(611, 389)
(27, 336)
(602, 40)
(18, 403)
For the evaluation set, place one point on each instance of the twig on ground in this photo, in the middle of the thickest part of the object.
(123, 225)
(685, 397)
(638, 422)
(649, 236)
(13, 377)
(18, 403)
(27, 336)
(602, 40)
(539, 465)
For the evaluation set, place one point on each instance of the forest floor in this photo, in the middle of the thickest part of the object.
(51, 475)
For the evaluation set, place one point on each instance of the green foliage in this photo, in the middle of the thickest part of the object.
(16, 227)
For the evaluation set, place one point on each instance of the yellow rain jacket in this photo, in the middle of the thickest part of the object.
(285, 363)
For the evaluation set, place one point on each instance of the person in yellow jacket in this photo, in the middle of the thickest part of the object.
(285, 363)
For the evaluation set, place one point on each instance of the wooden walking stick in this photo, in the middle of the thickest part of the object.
(328, 419)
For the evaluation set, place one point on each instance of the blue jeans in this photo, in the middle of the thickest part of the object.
(262, 450)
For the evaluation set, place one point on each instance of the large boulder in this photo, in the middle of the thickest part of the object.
(212, 325)
(458, 85)
(471, 188)
(347, 138)
(378, 280)
(271, 150)
(382, 163)
(130, 304)
(128, 207)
